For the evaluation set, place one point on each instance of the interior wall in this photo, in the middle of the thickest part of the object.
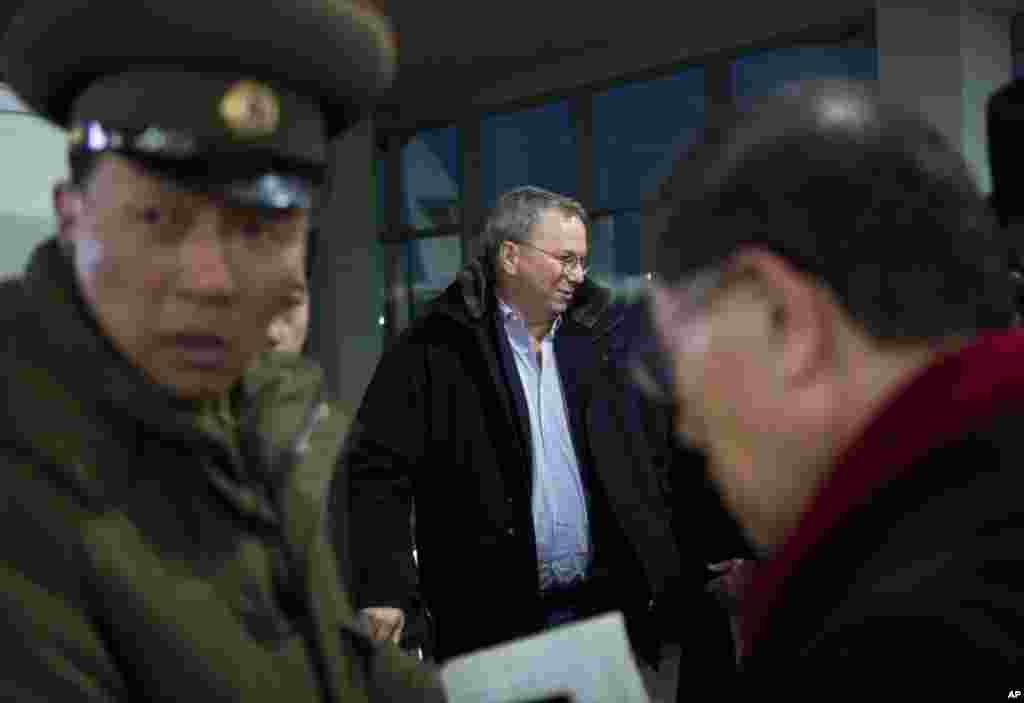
(348, 273)
(32, 162)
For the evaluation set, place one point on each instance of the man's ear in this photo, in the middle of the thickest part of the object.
(508, 256)
(801, 316)
(68, 206)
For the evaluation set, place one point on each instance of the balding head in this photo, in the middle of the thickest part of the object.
(862, 194)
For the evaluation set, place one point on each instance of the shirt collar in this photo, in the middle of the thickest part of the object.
(509, 313)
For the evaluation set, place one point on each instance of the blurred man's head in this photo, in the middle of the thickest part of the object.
(821, 248)
(198, 153)
(183, 283)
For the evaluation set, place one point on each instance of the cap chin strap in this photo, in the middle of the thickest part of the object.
(270, 187)
(91, 136)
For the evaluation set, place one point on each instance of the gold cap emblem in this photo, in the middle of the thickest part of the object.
(250, 109)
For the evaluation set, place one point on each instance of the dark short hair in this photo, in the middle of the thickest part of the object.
(516, 212)
(81, 165)
(1004, 122)
(862, 194)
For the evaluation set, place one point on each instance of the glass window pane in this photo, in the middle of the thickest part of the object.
(638, 130)
(378, 182)
(767, 72)
(34, 160)
(431, 179)
(527, 147)
(423, 267)
(433, 263)
(617, 251)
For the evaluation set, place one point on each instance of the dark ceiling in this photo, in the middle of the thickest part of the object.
(463, 43)
(453, 54)
(457, 52)
(467, 44)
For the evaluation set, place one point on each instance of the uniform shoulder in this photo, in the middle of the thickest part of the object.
(43, 517)
(13, 300)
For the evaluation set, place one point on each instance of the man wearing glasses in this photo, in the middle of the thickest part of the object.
(839, 350)
(535, 471)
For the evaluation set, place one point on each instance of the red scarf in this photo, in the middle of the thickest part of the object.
(957, 393)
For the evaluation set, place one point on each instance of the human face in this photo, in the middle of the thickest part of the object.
(748, 369)
(287, 331)
(709, 383)
(184, 285)
(546, 286)
(671, 373)
(717, 334)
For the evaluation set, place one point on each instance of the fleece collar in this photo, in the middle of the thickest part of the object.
(471, 297)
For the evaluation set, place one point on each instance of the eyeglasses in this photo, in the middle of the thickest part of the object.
(649, 360)
(568, 260)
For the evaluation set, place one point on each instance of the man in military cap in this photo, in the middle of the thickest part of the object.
(160, 539)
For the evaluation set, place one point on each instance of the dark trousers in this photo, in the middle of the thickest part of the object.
(565, 603)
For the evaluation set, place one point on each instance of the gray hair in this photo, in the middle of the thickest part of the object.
(518, 210)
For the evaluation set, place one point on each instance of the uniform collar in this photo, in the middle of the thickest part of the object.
(274, 397)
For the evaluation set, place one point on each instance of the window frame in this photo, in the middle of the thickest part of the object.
(718, 92)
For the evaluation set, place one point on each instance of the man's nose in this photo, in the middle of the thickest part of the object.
(575, 273)
(206, 260)
(275, 335)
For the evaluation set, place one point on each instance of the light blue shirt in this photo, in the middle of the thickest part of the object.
(558, 501)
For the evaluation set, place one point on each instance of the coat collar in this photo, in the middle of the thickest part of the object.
(275, 395)
(958, 393)
(470, 298)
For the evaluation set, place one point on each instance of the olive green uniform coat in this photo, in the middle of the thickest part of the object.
(155, 551)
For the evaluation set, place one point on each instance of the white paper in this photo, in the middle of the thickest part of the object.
(591, 660)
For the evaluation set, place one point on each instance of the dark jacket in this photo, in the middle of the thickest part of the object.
(444, 423)
(149, 555)
(908, 567)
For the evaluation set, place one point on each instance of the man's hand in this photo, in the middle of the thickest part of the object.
(384, 624)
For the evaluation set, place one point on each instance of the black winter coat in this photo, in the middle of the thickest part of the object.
(443, 424)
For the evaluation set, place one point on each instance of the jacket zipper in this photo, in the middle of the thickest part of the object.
(306, 625)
